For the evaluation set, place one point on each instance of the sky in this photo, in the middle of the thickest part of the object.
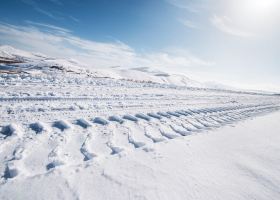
(234, 42)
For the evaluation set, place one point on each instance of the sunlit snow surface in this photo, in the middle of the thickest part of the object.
(68, 133)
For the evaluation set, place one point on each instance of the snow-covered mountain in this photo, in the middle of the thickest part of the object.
(19, 56)
(19, 60)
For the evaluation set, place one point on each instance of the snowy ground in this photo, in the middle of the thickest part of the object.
(234, 162)
(71, 134)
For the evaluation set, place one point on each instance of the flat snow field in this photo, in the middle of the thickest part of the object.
(75, 136)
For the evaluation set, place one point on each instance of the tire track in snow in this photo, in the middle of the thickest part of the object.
(71, 143)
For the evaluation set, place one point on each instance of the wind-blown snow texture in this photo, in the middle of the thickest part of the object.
(71, 133)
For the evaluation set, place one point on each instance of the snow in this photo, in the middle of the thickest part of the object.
(71, 133)
(238, 162)
(39, 127)
(13, 53)
(10, 130)
(143, 116)
(83, 123)
(101, 121)
(130, 117)
(36, 63)
(116, 118)
(62, 125)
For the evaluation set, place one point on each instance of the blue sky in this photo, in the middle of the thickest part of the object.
(235, 42)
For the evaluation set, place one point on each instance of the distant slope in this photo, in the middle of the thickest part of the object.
(149, 75)
(18, 60)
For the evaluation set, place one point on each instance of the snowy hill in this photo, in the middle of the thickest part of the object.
(8, 52)
(23, 61)
(30, 62)
(149, 76)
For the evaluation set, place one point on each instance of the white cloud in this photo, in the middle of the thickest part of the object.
(74, 18)
(183, 4)
(189, 24)
(226, 25)
(36, 7)
(59, 42)
(193, 6)
(54, 14)
(52, 27)
(173, 57)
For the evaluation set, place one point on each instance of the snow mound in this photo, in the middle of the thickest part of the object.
(39, 127)
(62, 125)
(83, 123)
(116, 119)
(99, 120)
(143, 116)
(11, 129)
(154, 115)
(130, 117)
(10, 171)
